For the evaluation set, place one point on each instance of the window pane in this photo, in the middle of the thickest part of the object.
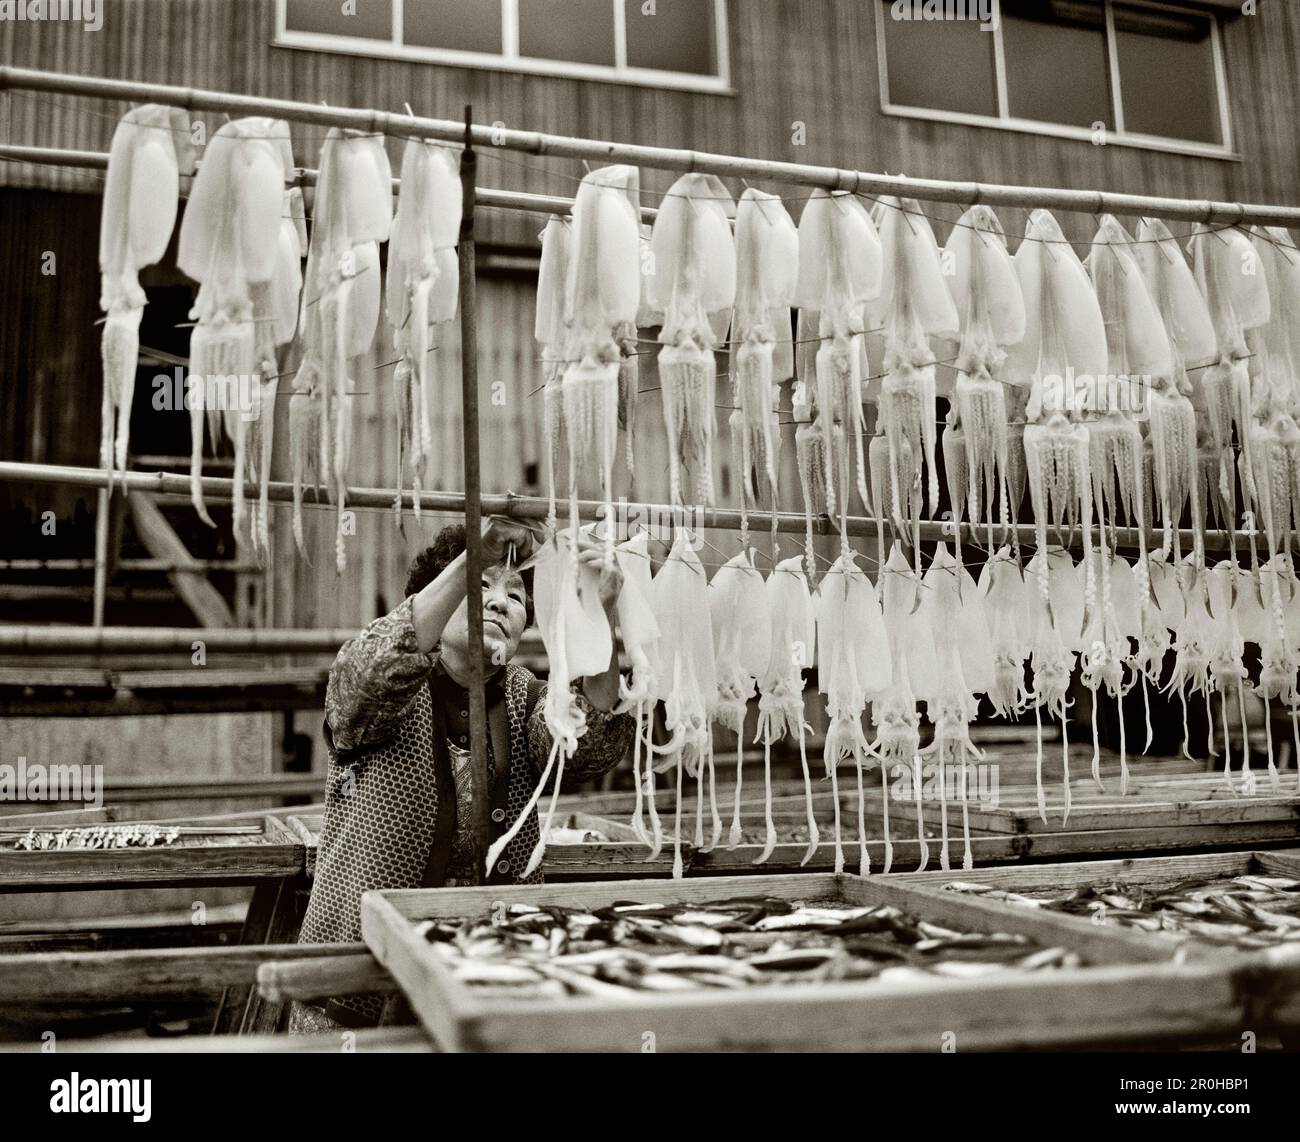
(1166, 74)
(944, 64)
(671, 35)
(581, 31)
(463, 25)
(1056, 61)
(372, 19)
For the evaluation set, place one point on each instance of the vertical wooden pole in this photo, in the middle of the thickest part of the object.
(473, 505)
(103, 503)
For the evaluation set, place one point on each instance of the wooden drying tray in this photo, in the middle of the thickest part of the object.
(1170, 805)
(622, 855)
(214, 858)
(1149, 872)
(1128, 993)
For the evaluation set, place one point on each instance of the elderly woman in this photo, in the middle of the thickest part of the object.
(397, 805)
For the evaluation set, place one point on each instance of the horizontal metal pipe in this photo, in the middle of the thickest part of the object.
(653, 517)
(130, 565)
(664, 158)
(165, 640)
(305, 176)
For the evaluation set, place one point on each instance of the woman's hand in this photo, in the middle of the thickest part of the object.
(499, 535)
(591, 552)
(602, 689)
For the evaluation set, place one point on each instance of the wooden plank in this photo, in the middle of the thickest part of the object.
(172, 973)
(1134, 1000)
(1170, 838)
(385, 1039)
(1055, 1011)
(162, 542)
(101, 816)
(906, 854)
(263, 1015)
(310, 979)
(229, 860)
(1154, 871)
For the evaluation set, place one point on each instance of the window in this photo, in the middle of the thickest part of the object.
(1132, 72)
(662, 43)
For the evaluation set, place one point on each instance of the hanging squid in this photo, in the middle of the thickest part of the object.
(916, 307)
(422, 287)
(229, 241)
(341, 300)
(1274, 444)
(987, 295)
(780, 705)
(695, 288)
(579, 644)
(913, 669)
(1228, 586)
(1056, 617)
(275, 322)
(686, 668)
(962, 650)
(1272, 622)
(1114, 625)
(1193, 639)
(1138, 351)
(602, 295)
(1171, 427)
(852, 664)
(551, 334)
(742, 644)
(762, 356)
(1236, 293)
(839, 273)
(141, 193)
(1065, 339)
(639, 633)
(812, 459)
(1001, 587)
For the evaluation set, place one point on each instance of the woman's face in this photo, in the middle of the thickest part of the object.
(505, 614)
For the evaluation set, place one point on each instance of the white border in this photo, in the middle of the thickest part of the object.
(510, 60)
(1117, 137)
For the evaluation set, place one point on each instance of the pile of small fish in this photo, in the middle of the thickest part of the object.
(105, 837)
(1240, 911)
(625, 949)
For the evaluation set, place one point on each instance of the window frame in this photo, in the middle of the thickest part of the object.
(510, 60)
(1117, 135)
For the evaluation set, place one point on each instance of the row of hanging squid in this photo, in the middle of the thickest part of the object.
(243, 239)
(1134, 387)
(1208, 338)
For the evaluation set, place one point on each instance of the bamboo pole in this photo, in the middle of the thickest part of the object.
(480, 788)
(304, 176)
(960, 193)
(214, 565)
(629, 516)
(169, 640)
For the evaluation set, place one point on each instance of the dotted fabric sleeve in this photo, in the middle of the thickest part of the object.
(374, 680)
(604, 743)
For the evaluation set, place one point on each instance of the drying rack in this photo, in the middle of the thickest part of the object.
(472, 503)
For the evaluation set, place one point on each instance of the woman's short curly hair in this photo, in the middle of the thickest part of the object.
(434, 559)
